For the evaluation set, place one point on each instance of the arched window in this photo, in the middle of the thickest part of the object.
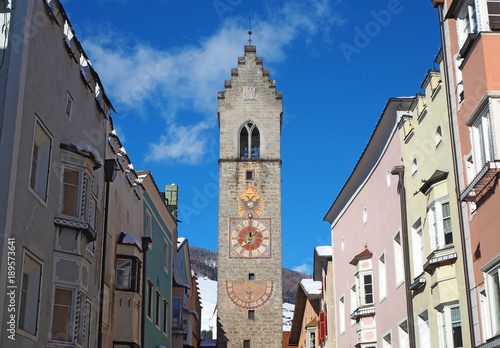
(249, 141)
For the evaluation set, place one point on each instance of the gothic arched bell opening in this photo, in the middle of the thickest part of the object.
(249, 141)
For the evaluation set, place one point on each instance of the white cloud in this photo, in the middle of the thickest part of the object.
(139, 76)
(305, 268)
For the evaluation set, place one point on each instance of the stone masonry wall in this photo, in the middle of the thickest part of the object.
(250, 96)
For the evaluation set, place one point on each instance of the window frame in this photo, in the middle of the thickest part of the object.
(34, 177)
(69, 102)
(437, 233)
(382, 276)
(250, 127)
(404, 339)
(157, 309)
(78, 198)
(398, 259)
(135, 273)
(149, 311)
(482, 141)
(467, 15)
(423, 328)
(491, 272)
(179, 315)
(72, 313)
(418, 248)
(22, 330)
(342, 314)
(361, 288)
(165, 317)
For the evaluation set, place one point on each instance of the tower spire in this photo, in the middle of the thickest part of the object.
(249, 31)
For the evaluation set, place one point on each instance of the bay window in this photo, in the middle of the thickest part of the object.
(62, 315)
(467, 22)
(127, 273)
(365, 288)
(71, 192)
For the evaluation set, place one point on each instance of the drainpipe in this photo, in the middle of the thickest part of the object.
(400, 171)
(455, 171)
(109, 177)
(146, 245)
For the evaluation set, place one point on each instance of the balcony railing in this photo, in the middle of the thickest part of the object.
(481, 183)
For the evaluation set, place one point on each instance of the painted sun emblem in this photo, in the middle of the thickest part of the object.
(250, 201)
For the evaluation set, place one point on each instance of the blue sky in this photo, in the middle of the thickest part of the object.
(337, 62)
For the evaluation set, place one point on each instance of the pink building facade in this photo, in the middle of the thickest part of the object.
(368, 244)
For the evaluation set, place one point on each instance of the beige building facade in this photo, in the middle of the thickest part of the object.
(437, 284)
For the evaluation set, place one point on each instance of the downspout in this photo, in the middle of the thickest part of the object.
(400, 171)
(455, 171)
(146, 245)
(109, 176)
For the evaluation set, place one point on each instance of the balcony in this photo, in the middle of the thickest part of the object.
(363, 312)
(483, 181)
(79, 225)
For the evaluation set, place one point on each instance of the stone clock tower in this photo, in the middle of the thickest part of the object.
(249, 294)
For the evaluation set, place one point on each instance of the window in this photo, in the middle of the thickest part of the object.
(165, 316)
(166, 257)
(382, 281)
(30, 295)
(62, 315)
(251, 314)
(69, 105)
(40, 161)
(440, 225)
(71, 184)
(127, 273)
(249, 175)
(246, 344)
(414, 166)
(482, 141)
(450, 327)
(423, 330)
(387, 340)
(354, 301)
(150, 299)
(251, 276)
(398, 258)
(493, 297)
(342, 314)
(249, 141)
(311, 338)
(467, 22)
(404, 338)
(418, 248)
(365, 286)
(176, 314)
(157, 314)
(438, 136)
(149, 226)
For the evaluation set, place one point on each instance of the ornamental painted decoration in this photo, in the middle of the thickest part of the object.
(249, 202)
(250, 238)
(249, 293)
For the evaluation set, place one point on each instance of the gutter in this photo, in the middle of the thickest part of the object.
(400, 171)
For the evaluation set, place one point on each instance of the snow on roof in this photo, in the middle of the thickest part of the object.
(324, 250)
(180, 240)
(311, 287)
(129, 239)
(88, 148)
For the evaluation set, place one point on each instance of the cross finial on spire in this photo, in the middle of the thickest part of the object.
(249, 31)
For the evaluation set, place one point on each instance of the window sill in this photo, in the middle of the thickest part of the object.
(440, 257)
(364, 311)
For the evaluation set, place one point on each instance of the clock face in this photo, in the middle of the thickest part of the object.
(250, 238)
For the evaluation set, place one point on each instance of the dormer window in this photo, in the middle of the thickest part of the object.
(249, 141)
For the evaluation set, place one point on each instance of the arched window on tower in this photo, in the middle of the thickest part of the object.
(249, 141)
